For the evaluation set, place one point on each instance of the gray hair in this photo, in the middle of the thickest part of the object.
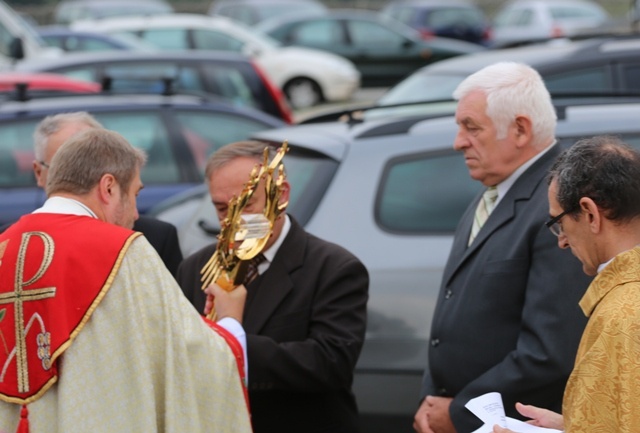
(53, 123)
(604, 169)
(513, 89)
(87, 156)
(248, 148)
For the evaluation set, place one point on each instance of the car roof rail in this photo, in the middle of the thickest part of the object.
(167, 84)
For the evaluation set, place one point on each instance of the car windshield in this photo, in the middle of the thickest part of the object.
(422, 88)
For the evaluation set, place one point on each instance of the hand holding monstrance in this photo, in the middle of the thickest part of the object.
(243, 236)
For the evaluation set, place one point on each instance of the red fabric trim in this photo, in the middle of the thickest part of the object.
(238, 353)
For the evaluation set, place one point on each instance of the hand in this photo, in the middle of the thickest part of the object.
(541, 417)
(227, 304)
(498, 429)
(438, 414)
(421, 419)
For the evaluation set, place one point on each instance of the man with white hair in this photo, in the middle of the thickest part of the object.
(506, 319)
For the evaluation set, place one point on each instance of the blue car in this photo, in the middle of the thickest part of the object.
(178, 133)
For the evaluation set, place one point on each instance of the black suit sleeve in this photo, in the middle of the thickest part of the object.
(163, 236)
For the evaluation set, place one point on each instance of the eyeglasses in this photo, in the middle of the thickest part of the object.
(44, 164)
(554, 224)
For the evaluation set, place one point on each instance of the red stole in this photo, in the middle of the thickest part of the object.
(238, 354)
(54, 271)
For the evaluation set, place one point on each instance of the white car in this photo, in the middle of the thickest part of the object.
(306, 76)
(525, 20)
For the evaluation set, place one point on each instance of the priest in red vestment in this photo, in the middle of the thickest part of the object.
(95, 334)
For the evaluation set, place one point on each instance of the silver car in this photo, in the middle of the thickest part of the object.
(391, 191)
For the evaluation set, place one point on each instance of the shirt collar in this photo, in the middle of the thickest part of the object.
(65, 205)
(270, 253)
(504, 186)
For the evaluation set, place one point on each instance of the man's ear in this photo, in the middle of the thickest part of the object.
(593, 214)
(37, 171)
(286, 189)
(106, 188)
(523, 130)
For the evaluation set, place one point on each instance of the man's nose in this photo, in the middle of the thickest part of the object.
(563, 242)
(460, 142)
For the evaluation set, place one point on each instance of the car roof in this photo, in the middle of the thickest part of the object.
(334, 139)
(107, 102)
(117, 56)
(538, 55)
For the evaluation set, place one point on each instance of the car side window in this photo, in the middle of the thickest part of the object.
(206, 132)
(414, 198)
(148, 77)
(6, 37)
(168, 39)
(16, 154)
(84, 73)
(368, 33)
(212, 40)
(316, 33)
(514, 18)
(631, 76)
(146, 131)
(587, 79)
(88, 44)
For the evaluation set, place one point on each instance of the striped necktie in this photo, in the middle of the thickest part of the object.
(485, 206)
(252, 269)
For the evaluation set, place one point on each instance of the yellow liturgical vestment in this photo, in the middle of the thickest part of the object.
(603, 391)
(144, 362)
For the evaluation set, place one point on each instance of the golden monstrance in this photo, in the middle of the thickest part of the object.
(243, 236)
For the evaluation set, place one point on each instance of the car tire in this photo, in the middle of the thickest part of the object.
(303, 93)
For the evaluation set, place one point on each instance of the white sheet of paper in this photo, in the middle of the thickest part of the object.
(490, 409)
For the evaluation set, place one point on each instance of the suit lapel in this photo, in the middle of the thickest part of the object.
(275, 284)
(522, 190)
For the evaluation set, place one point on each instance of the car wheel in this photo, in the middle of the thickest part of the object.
(303, 93)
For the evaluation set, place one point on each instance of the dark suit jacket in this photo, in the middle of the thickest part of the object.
(163, 236)
(305, 320)
(507, 318)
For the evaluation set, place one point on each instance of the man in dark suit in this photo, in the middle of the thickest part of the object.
(507, 317)
(305, 314)
(54, 130)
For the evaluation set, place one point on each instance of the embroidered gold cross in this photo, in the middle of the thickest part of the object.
(19, 296)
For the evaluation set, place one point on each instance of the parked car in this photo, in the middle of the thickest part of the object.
(251, 12)
(391, 191)
(178, 133)
(458, 19)
(19, 39)
(72, 41)
(68, 11)
(523, 21)
(383, 50)
(598, 66)
(229, 75)
(306, 76)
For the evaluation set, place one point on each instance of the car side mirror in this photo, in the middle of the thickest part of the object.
(16, 49)
(251, 50)
(208, 228)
